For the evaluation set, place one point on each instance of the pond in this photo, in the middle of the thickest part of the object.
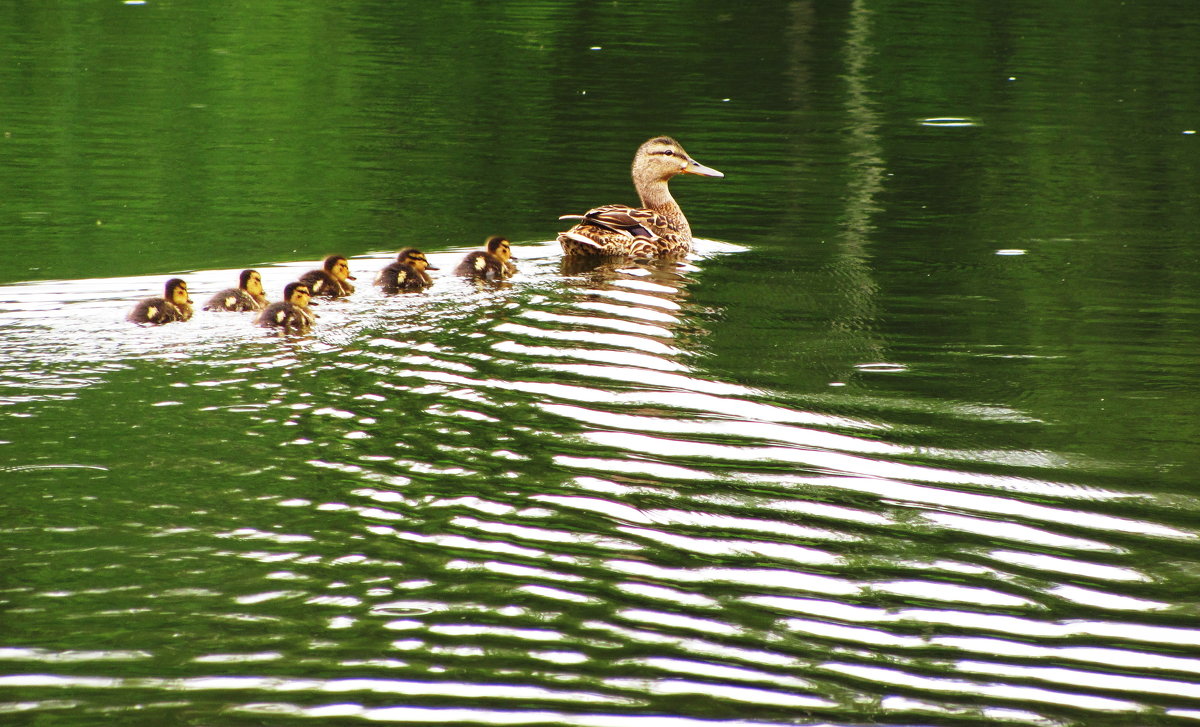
(911, 438)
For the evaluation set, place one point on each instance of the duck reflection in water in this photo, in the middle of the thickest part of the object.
(646, 291)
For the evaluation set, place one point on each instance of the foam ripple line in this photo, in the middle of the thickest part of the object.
(892, 479)
(458, 690)
(622, 324)
(1018, 626)
(465, 715)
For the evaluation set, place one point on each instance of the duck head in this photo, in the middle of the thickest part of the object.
(415, 258)
(337, 266)
(176, 291)
(251, 282)
(499, 247)
(662, 157)
(297, 294)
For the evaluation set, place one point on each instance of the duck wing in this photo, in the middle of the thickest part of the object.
(634, 223)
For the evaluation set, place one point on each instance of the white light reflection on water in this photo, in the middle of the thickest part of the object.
(452, 715)
(899, 678)
(477, 691)
(723, 542)
(1017, 626)
(741, 548)
(1080, 678)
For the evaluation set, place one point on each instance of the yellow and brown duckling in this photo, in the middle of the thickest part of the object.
(495, 262)
(407, 273)
(332, 281)
(247, 296)
(175, 305)
(292, 314)
(657, 228)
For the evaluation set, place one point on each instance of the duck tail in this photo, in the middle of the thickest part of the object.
(578, 239)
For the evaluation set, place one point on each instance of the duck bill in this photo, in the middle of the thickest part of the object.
(696, 167)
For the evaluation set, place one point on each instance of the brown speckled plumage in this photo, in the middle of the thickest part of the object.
(657, 228)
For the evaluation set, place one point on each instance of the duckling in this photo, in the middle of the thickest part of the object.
(494, 263)
(330, 282)
(175, 305)
(657, 228)
(292, 314)
(407, 273)
(247, 296)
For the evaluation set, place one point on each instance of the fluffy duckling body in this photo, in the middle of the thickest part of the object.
(491, 264)
(175, 305)
(247, 296)
(407, 273)
(657, 228)
(332, 281)
(292, 314)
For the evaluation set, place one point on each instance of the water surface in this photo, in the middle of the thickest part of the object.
(910, 440)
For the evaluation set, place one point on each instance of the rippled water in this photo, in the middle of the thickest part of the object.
(911, 440)
(533, 504)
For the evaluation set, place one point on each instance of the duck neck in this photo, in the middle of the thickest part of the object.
(656, 196)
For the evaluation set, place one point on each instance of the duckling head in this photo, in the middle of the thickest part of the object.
(297, 294)
(338, 267)
(414, 257)
(499, 247)
(176, 291)
(662, 157)
(251, 282)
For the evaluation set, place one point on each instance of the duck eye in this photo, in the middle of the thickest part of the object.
(669, 153)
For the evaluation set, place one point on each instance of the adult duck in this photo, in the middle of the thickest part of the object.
(407, 273)
(247, 296)
(494, 262)
(657, 228)
(332, 280)
(175, 305)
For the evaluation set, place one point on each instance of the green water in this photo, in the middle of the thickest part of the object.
(910, 440)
